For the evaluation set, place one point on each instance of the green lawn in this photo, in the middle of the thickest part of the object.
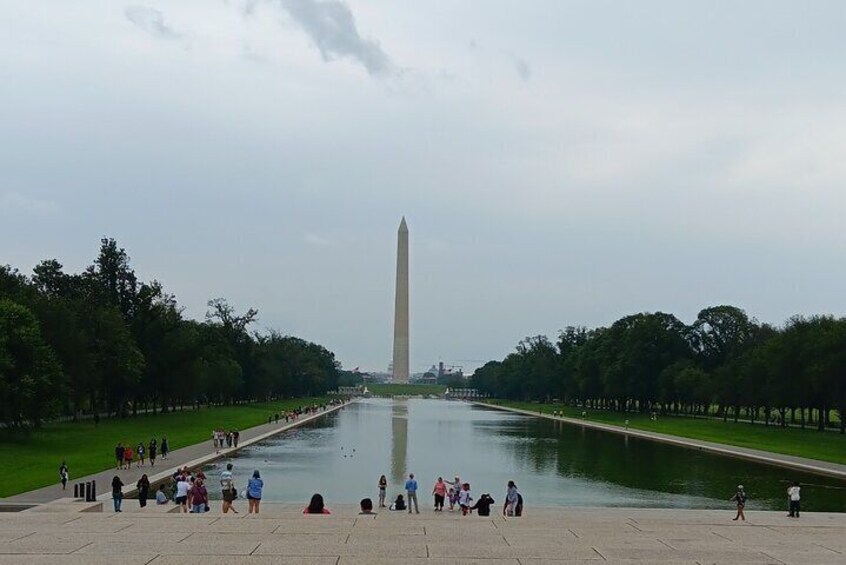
(825, 446)
(405, 390)
(32, 460)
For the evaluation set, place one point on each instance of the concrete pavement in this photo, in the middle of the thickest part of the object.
(281, 534)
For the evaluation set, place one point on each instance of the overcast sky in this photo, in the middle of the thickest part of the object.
(558, 162)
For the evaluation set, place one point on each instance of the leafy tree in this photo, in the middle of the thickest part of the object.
(31, 381)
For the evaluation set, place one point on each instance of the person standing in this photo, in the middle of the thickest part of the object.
(119, 452)
(199, 497)
(464, 499)
(439, 490)
(227, 486)
(143, 486)
(141, 454)
(254, 489)
(151, 452)
(411, 492)
(483, 505)
(455, 489)
(740, 498)
(63, 475)
(117, 492)
(383, 487)
(793, 497)
(512, 496)
(127, 457)
(182, 488)
(165, 448)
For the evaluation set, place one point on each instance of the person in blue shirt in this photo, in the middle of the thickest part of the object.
(254, 488)
(411, 491)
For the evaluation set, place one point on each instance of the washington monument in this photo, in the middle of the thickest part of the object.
(401, 308)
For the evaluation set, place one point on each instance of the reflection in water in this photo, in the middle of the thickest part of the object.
(342, 456)
(399, 439)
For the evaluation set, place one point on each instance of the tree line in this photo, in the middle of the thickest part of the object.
(102, 341)
(724, 363)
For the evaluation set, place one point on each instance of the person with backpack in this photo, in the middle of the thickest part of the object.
(740, 498)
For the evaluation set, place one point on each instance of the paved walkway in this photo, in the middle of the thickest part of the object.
(282, 535)
(767, 457)
(193, 456)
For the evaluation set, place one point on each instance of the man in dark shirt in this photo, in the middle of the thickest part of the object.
(483, 505)
(119, 451)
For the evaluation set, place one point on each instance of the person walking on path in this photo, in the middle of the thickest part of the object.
(199, 497)
(383, 487)
(141, 454)
(411, 492)
(143, 486)
(127, 457)
(117, 492)
(793, 497)
(229, 493)
(119, 452)
(63, 475)
(151, 452)
(254, 488)
(440, 491)
(740, 498)
(165, 448)
(512, 497)
(236, 435)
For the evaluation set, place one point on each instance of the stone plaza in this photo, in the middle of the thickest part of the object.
(281, 534)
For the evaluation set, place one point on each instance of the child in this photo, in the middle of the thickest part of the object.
(464, 499)
(454, 491)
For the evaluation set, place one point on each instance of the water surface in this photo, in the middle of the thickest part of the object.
(343, 454)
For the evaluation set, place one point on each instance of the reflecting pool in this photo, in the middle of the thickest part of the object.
(343, 454)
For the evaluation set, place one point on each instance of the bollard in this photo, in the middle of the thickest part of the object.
(76, 490)
(88, 491)
(93, 491)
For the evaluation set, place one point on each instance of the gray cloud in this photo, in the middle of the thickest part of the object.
(151, 21)
(18, 203)
(523, 69)
(331, 26)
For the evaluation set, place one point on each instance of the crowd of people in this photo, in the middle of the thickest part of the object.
(189, 490)
(225, 438)
(125, 455)
(456, 493)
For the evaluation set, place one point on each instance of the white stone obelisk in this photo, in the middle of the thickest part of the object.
(401, 308)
